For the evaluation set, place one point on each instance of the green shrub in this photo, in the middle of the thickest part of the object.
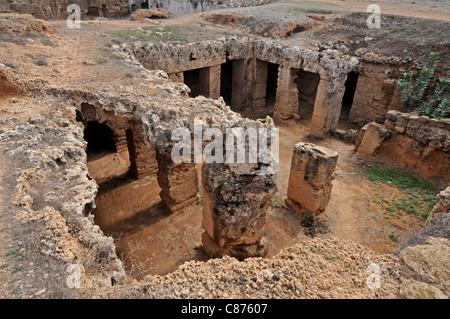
(412, 91)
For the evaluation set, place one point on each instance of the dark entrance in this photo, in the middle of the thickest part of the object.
(272, 84)
(226, 80)
(349, 94)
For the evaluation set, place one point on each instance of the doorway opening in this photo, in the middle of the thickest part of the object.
(271, 84)
(192, 80)
(226, 81)
(349, 94)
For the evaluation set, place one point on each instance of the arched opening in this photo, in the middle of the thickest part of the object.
(144, 5)
(349, 94)
(100, 139)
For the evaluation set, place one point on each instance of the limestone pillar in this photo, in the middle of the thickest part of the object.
(259, 85)
(178, 182)
(120, 140)
(287, 93)
(311, 176)
(141, 151)
(235, 203)
(327, 106)
(210, 81)
(239, 89)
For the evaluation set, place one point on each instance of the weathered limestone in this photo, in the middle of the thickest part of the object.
(142, 153)
(258, 98)
(250, 73)
(235, 203)
(120, 141)
(210, 81)
(327, 106)
(375, 93)
(307, 83)
(239, 85)
(178, 182)
(417, 144)
(374, 135)
(177, 77)
(128, 136)
(287, 93)
(311, 176)
(56, 9)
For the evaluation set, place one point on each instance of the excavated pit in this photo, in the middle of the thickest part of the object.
(149, 238)
(132, 208)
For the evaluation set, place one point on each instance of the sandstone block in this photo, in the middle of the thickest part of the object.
(235, 204)
(373, 137)
(311, 176)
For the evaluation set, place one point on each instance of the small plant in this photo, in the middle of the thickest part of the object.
(393, 237)
(418, 197)
(412, 91)
(276, 201)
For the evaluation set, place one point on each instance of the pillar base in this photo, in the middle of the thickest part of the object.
(178, 207)
(239, 251)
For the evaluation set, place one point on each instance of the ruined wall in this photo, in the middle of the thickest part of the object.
(181, 7)
(249, 56)
(415, 143)
(56, 9)
(376, 92)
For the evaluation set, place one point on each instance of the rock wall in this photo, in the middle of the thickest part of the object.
(56, 9)
(415, 143)
(249, 57)
(181, 7)
(376, 93)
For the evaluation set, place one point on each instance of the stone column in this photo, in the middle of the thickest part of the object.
(327, 106)
(120, 140)
(142, 153)
(287, 93)
(239, 88)
(259, 85)
(210, 81)
(311, 176)
(235, 203)
(178, 182)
